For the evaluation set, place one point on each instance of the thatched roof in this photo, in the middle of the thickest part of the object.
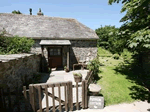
(41, 27)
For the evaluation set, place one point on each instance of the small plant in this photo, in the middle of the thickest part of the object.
(77, 74)
(116, 56)
(49, 70)
(77, 77)
(66, 68)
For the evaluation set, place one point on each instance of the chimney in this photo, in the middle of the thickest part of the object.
(30, 11)
(40, 13)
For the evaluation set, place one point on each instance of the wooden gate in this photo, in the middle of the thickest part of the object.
(37, 93)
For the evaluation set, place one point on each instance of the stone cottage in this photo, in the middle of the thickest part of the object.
(60, 40)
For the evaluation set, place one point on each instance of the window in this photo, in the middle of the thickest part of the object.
(55, 52)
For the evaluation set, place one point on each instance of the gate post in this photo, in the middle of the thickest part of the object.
(86, 94)
(83, 94)
(70, 96)
(32, 97)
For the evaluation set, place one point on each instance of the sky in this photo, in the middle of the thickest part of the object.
(92, 13)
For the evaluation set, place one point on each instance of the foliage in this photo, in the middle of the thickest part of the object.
(103, 52)
(140, 40)
(136, 23)
(94, 65)
(14, 45)
(126, 55)
(77, 74)
(110, 39)
(16, 12)
(116, 56)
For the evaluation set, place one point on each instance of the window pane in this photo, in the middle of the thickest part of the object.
(51, 51)
(55, 53)
(59, 52)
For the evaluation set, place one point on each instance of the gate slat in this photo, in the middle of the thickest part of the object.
(25, 96)
(55, 97)
(40, 99)
(68, 95)
(77, 103)
(59, 92)
(65, 90)
(47, 103)
(86, 101)
(32, 97)
(71, 98)
(53, 93)
(83, 95)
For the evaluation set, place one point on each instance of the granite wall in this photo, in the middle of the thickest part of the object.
(16, 69)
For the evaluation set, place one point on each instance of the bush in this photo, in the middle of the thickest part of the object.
(126, 54)
(94, 66)
(14, 45)
(116, 56)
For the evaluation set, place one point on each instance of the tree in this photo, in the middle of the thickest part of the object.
(136, 23)
(137, 27)
(109, 39)
(16, 12)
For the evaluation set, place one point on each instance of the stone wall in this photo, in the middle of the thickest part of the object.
(16, 69)
(82, 49)
(79, 49)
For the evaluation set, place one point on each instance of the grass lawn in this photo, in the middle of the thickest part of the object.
(116, 88)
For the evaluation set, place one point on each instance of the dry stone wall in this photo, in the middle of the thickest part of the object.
(82, 49)
(16, 69)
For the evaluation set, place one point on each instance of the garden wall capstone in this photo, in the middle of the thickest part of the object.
(17, 69)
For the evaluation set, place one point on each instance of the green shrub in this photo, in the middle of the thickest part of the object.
(126, 54)
(116, 56)
(14, 45)
(94, 66)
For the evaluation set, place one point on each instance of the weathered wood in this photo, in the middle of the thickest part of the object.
(83, 94)
(47, 104)
(25, 96)
(53, 98)
(86, 90)
(71, 97)
(65, 90)
(79, 85)
(59, 92)
(32, 97)
(77, 103)
(40, 99)
(49, 84)
(68, 95)
(68, 58)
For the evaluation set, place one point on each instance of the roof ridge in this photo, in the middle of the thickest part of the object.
(37, 16)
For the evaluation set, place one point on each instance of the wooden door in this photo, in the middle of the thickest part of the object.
(55, 57)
